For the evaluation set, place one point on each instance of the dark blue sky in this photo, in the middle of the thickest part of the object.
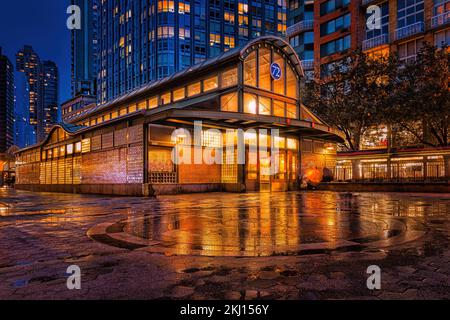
(42, 24)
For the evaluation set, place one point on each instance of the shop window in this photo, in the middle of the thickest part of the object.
(194, 89)
(249, 103)
(291, 83)
(229, 102)
(210, 83)
(278, 85)
(229, 78)
(264, 69)
(250, 70)
(153, 102)
(278, 108)
(165, 98)
(291, 111)
(264, 106)
(179, 94)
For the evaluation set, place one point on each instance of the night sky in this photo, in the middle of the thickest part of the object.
(41, 24)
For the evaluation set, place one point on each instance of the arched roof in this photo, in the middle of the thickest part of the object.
(210, 64)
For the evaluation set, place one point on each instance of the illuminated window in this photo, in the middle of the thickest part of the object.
(62, 151)
(179, 94)
(142, 105)
(210, 83)
(264, 106)
(278, 108)
(166, 6)
(229, 42)
(55, 152)
(93, 122)
(229, 78)
(114, 115)
(249, 103)
(132, 108)
(291, 111)
(292, 144)
(291, 83)
(107, 117)
(264, 69)
(70, 148)
(49, 154)
(123, 111)
(99, 120)
(278, 85)
(280, 142)
(44, 155)
(165, 98)
(153, 102)
(78, 147)
(212, 138)
(250, 70)
(194, 89)
(229, 102)
(85, 145)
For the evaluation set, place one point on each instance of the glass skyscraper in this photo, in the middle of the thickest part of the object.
(145, 40)
(6, 103)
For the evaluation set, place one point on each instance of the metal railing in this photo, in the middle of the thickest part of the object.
(440, 19)
(300, 27)
(307, 64)
(375, 42)
(410, 30)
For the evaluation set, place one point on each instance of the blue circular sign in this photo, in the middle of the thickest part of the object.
(275, 71)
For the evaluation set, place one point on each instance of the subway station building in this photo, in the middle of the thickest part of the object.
(125, 146)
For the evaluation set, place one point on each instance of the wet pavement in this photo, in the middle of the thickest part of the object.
(295, 245)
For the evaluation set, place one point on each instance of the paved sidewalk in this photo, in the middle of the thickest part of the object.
(42, 234)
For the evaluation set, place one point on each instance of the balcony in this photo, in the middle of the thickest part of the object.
(375, 42)
(410, 30)
(440, 19)
(300, 26)
(307, 64)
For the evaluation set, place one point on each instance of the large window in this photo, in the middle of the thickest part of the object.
(442, 38)
(335, 46)
(409, 12)
(335, 25)
(229, 78)
(332, 5)
(264, 106)
(229, 102)
(407, 51)
(279, 85)
(264, 69)
(250, 69)
(249, 103)
(210, 83)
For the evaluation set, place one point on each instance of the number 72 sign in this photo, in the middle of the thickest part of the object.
(275, 71)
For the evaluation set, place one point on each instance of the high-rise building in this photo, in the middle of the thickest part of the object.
(300, 31)
(42, 78)
(343, 25)
(144, 40)
(49, 95)
(84, 49)
(6, 103)
(28, 62)
(24, 134)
